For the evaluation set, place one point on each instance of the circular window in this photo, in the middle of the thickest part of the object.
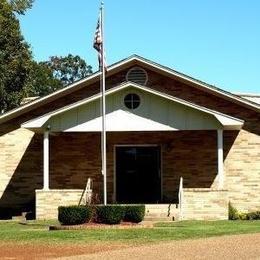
(132, 101)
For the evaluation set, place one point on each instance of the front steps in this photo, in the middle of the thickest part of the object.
(161, 212)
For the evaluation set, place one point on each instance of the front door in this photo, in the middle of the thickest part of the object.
(138, 174)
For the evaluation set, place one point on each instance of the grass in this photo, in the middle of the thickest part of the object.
(37, 232)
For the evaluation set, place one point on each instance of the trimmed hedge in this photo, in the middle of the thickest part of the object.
(134, 213)
(74, 215)
(110, 214)
(253, 215)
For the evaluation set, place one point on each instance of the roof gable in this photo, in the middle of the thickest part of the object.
(158, 111)
(119, 66)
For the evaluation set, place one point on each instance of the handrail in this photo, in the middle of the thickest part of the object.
(180, 195)
(86, 196)
(89, 191)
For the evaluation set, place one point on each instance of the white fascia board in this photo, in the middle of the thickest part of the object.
(116, 65)
(197, 82)
(38, 122)
(61, 91)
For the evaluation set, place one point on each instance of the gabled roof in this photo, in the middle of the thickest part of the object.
(250, 96)
(226, 121)
(112, 69)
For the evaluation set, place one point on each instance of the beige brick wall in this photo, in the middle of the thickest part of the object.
(20, 167)
(47, 202)
(205, 204)
(187, 154)
(76, 157)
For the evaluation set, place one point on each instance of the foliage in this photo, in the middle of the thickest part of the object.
(20, 75)
(110, 214)
(15, 59)
(41, 80)
(253, 215)
(242, 216)
(74, 215)
(68, 69)
(232, 212)
(20, 6)
(134, 213)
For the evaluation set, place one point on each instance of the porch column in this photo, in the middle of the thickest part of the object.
(220, 159)
(46, 160)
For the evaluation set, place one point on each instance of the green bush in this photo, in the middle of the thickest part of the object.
(253, 215)
(110, 214)
(134, 213)
(242, 216)
(232, 212)
(74, 215)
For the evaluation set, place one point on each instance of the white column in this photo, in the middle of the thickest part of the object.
(220, 159)
(46, 160)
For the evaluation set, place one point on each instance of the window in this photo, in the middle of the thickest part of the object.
(132, 101)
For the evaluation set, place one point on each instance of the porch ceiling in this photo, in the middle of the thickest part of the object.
(157, 112)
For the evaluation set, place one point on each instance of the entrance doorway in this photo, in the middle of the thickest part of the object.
(138, 178)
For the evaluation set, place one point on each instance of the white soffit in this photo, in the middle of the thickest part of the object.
(226, 121)
(121, 121)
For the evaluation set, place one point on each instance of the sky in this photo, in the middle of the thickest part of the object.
(216, 41)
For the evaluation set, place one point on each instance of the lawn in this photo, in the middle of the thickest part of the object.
(37, 232)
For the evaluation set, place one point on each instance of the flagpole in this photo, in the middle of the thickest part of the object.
(103, 134)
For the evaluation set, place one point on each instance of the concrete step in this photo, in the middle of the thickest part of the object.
(19, 218)
(23, 217)
(161, 212)
(158, 219)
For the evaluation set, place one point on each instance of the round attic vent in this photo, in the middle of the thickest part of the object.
(137, 75)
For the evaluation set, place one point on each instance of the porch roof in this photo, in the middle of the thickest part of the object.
(141, 123)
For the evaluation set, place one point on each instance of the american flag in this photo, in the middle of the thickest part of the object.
(98, 42)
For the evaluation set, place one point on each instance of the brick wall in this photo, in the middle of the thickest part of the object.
(74, 157)
(21, 151)
(205, 204)
(47, 202)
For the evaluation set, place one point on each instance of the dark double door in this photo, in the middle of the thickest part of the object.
(138, 177)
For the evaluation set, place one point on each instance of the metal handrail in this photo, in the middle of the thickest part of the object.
(180, 195)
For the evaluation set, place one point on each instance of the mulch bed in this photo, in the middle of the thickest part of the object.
(93, 225)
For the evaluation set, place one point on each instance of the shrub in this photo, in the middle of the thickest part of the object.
(242, 216)
(134, 213)
(232, 212)
(110, 214)
(253, 215)
(73, 215)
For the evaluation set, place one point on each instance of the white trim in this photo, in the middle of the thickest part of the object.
(197, 82)
(115, 66)
(220, 159)
(46, 156)
(135, 145)
(224, 119)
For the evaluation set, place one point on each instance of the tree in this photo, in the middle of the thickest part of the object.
(15, 57)
(41, 80)
(68, 69)
(20, 6)
(20, 76)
